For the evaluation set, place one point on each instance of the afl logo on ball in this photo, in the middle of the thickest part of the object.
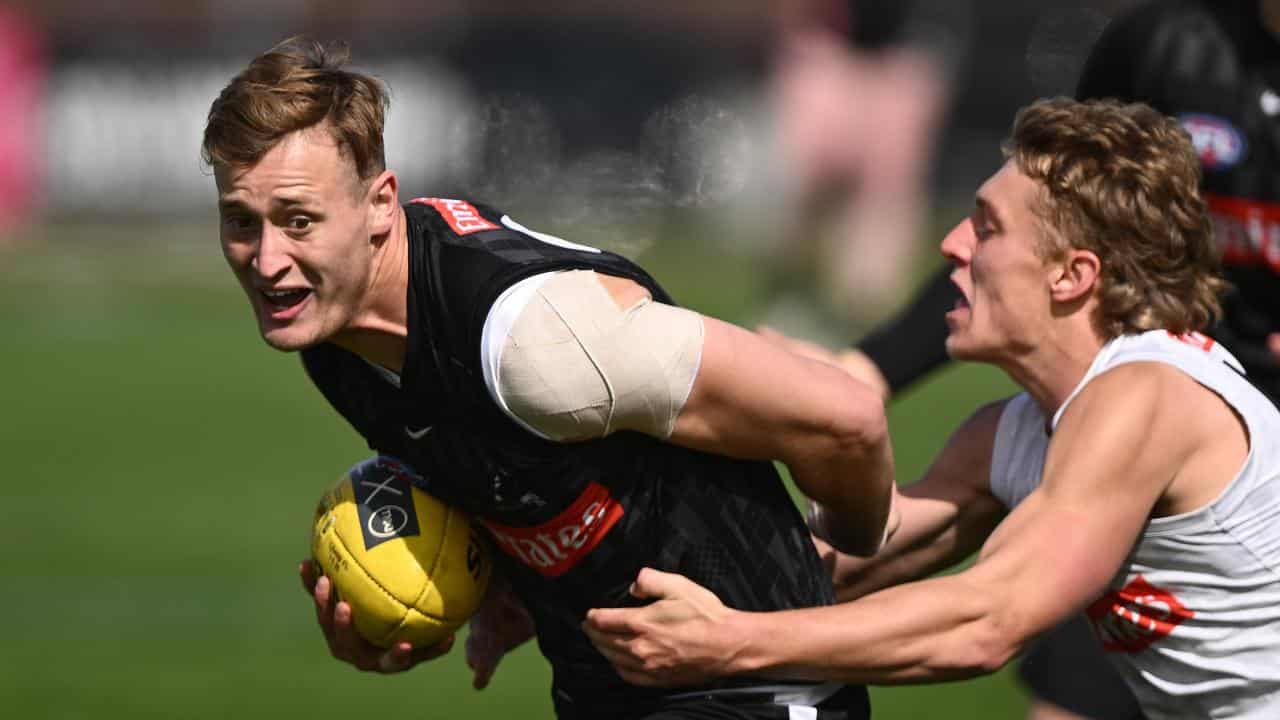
(384, 501)
(387, 521)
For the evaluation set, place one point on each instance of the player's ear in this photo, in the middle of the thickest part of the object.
(382, 202)
(1075, 275)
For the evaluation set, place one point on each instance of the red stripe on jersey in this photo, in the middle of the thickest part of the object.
(461, 215)
(1248, 231)
(555, 546)
(1194, 339)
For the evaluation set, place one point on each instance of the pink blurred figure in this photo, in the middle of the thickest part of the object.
(22, 74)
(857, 126)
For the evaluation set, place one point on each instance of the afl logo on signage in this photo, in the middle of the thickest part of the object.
(1218, 143)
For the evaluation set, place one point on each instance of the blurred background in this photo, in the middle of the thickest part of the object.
(789, 162)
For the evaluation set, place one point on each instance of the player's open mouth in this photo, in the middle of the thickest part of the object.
(962, 301)
(283, 304)
(957, 310)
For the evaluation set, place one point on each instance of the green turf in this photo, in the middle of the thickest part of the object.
(161, 470)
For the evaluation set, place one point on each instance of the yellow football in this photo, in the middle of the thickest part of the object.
(411, 567)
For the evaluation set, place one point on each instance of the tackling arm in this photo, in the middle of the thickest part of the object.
(1054, 553)
(1112, 457)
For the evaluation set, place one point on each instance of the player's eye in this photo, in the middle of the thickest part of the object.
(300, 223)
(238, 223)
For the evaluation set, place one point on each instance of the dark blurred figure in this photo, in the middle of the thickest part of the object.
(858, 107)
(22, 71)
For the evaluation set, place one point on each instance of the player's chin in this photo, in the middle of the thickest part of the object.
(289, 338)
(956, 346)
(961, 346)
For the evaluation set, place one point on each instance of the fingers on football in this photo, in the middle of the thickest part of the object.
(307, 571)
(432, 652)
(322, 597)
(347, 645)
(403, 656)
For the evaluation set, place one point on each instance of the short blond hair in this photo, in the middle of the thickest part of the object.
(295, 85)
(1122, 181)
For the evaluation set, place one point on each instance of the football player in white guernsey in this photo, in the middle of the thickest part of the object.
(1136, 479)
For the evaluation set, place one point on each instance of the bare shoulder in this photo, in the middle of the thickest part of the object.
(1143, 391)
(1160, 422)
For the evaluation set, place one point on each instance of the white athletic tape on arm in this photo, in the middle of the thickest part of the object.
(575, 366)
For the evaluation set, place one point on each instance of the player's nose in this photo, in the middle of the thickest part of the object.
(957, 245)
(272, 258)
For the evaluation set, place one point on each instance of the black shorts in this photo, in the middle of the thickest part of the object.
(846, 703)
(1067, 667)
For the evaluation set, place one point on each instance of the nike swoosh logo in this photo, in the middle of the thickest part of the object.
(417, 434)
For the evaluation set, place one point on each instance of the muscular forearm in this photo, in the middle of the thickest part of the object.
(936, 630)
(897, 562)
(755, 400)
(934, 534)
(856, 510)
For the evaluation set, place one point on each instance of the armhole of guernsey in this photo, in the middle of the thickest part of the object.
(493, 338)
(1004, 447)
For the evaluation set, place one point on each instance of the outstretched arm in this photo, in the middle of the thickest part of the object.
(1112, 457)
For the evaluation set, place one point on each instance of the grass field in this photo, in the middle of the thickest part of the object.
(162, 468)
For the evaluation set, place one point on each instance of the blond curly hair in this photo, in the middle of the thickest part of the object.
(1122, 181)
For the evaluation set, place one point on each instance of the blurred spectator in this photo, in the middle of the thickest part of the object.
(858, 107)
(22, 73)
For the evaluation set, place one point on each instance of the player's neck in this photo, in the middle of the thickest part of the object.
(379, 333)
(1054, 368)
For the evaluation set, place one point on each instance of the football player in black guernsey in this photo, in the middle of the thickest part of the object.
(552, 390)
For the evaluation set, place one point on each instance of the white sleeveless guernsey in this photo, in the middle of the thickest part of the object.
(1192, 619)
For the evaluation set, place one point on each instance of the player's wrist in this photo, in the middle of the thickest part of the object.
(747, 655)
